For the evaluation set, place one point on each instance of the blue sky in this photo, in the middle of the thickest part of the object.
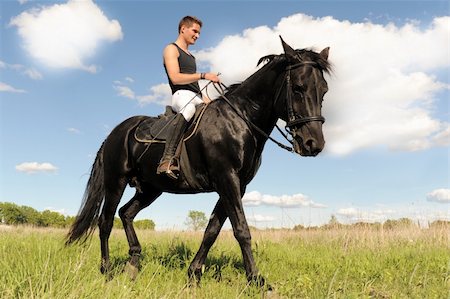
(71, 71)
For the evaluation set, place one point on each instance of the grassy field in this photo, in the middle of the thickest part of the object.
(341, 263)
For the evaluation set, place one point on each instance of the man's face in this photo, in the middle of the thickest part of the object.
(191, 34)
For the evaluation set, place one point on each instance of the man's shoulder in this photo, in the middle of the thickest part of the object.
(171, 49)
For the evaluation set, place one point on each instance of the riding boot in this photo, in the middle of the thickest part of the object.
(168, 163)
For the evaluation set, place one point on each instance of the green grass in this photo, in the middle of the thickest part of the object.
(341, 263)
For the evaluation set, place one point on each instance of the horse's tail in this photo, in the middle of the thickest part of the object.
(89, 212)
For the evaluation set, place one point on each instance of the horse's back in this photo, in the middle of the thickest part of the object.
(116, 146)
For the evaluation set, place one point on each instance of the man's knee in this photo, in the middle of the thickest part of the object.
(188, 112)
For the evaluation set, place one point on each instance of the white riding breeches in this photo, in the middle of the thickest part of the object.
(184, 102)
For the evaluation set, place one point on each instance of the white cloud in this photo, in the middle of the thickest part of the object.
(74, 130)
(347, 212)
(377, 215)
(32, 73)
(66, 35)
(260, 218)
(60, 211)
(419, 212)
(158, 94)
(124, 91)
(34, 167)
(439, 195)
(254, 198)
(8, 88)
(384, 87)
(443, 137)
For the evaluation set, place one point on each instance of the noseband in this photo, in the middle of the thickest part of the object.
(293, 118)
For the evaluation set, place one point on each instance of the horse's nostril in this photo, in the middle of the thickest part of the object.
(310, 144)
(312, 147)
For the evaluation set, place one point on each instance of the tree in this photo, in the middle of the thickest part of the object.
(196, 220)
(139, 224)
(440, 224)
(69, 220)
(30, 214)
(298, 227)
(399, 223)
(332, 223)
(117, 223)
(53, 219)
(12, 214)
(145, 224)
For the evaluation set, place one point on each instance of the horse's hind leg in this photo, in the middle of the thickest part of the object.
(106, 219)
(127, 214)
(215, 224)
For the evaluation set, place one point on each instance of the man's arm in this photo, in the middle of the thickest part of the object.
(173, 68)
(170, 56)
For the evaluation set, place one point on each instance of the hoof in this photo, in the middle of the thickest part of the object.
(195, 276)
(131, 270)
(260, 281)
(105, 267)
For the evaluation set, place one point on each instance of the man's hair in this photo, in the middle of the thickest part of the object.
(188, 21)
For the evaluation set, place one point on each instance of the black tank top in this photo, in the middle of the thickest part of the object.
(187, 66)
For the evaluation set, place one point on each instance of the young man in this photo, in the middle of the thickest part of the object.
(181, 70)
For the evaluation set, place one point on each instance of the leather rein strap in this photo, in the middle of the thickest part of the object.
(220, 89)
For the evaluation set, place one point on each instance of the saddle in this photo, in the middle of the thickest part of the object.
(153, 129)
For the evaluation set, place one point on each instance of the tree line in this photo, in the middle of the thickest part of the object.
(389, 224)
(13, 214)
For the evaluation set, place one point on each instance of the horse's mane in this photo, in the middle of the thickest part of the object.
(233, 87)
(303, 54)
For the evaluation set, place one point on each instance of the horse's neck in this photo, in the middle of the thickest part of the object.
(256, 97)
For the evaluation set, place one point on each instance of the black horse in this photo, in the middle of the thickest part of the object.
(224, 153)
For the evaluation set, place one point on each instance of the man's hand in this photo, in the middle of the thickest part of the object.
(212, 77)
(206, 100)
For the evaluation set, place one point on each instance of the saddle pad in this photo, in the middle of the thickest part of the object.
(154, 129)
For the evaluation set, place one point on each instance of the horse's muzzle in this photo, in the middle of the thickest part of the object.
(307, 144)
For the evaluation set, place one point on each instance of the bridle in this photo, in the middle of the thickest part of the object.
(293, 119)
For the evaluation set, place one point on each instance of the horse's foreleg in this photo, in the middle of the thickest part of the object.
(232, 202)
(127, 214)
(215, 223)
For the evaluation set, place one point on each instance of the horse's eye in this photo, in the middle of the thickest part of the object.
(298, 88)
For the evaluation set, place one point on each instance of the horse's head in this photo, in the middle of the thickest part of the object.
(305, 88)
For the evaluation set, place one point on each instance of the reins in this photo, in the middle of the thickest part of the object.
(293, 119)
(220, 90)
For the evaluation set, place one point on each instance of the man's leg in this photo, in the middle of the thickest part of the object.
(177, 127)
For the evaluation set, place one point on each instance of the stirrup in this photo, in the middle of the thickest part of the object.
(169, 170)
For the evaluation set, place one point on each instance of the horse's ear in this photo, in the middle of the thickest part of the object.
(324, 53)
(290, 53)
